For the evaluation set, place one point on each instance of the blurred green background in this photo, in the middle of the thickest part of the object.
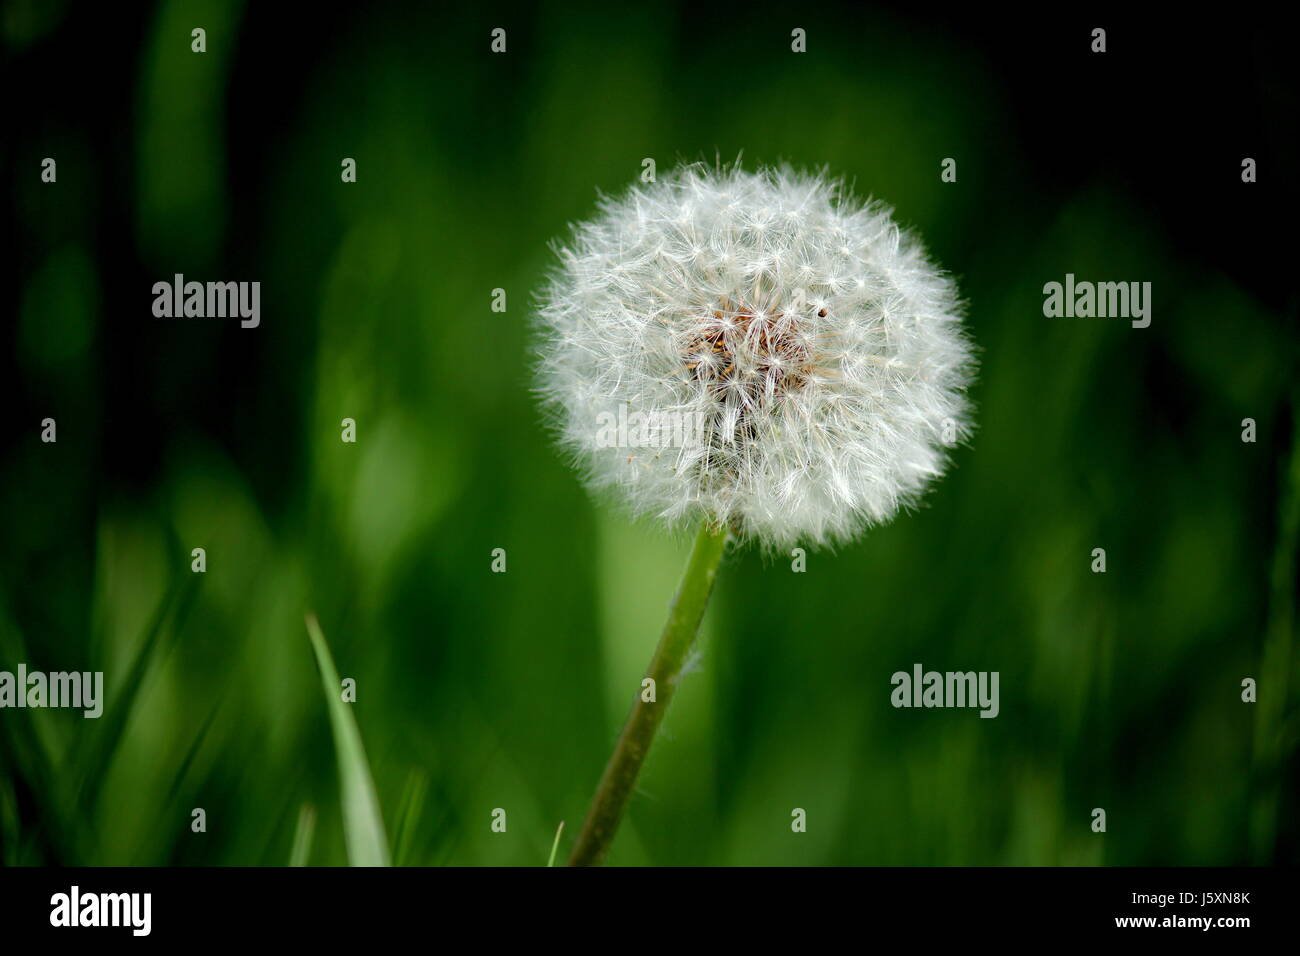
(477, 690)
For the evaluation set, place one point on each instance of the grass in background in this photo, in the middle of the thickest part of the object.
(483, 690)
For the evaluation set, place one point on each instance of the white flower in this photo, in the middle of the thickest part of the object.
(815, 345)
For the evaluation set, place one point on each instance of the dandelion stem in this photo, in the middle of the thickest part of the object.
(619, 778)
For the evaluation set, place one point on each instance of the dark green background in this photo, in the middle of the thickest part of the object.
(479, 690)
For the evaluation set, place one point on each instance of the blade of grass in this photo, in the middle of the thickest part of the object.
(302, 836)
(192, 752)
(175, 604)
(363, 828)
(412, 806)
(38, 795)
(556, 845)
(39, 836)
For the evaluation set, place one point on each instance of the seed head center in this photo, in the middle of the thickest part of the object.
(757, 356)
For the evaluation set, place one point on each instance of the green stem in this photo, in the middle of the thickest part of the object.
(619, 778)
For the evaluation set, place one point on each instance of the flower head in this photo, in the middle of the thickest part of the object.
(755, 348)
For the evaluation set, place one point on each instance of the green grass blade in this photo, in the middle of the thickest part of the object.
(41, 817)
(192, 752)
(555, 846)
(408, 817)
(158, 639)
(302, 836)
(363, 828)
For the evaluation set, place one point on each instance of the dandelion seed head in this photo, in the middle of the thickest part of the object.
(812, 342)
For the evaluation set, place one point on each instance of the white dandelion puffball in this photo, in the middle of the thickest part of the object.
(755, 348)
